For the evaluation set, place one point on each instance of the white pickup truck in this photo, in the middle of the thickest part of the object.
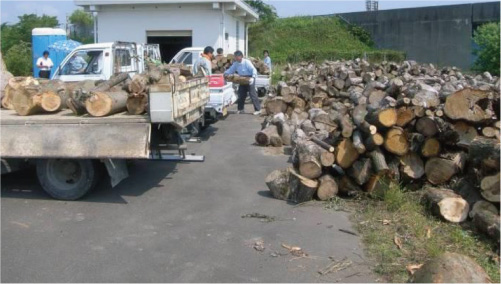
(220, 96)
(68, 149)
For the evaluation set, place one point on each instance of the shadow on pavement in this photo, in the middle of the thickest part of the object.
(143, 176)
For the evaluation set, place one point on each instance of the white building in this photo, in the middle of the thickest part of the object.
(173, 24)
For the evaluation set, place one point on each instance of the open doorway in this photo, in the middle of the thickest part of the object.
(171, 42)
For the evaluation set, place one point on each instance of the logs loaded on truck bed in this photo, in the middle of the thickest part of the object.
(357, 127)
(67, 128)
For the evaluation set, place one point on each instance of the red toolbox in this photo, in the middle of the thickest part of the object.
(216, 80)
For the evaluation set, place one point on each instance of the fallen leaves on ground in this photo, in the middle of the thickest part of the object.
(295, 251)
(397, 242)
(412, 268)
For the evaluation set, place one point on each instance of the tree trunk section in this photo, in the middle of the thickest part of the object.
(302, 187)
(396, 141)
(309, 159)
(430, 148)
(278, 183)
(346, 154)
(106, 103)
(464, 105)
(412, 165)
(379, 161)
(450, 268)
(327, 188)
(490, 188)
(361, 171)
(447, 204)
(137, 104)
(269, 136)
(484, 152)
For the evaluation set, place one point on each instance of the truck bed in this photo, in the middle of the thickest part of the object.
(64, 135)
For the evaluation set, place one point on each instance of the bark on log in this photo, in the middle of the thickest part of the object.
(303, 188)
(106, 103)
(322, 144)
(138, 84)
(269, 136)
(348, 188)
(346, 154)
(446, 204)
(467, 104)
(440, 170)
(327, 188)
(396, 141)
(278, 183)
(450, 268)
(426, 126)
(404, 116)
(361, 171)
(490, 188)
(485, 217)
(275, 105)
(357, 142)
(430, 148)
(484, 152)
(379, 161)
(309, 159)
(412, 165)
(373, 141)
(113, 81)
(137, 104)
(466, 133)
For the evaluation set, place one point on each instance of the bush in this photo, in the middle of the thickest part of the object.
(18, 59)
(372, 56)
(487, 38)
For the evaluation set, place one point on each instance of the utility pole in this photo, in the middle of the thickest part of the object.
(371, 5)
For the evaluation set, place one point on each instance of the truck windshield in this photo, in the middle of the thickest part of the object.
(84, 62)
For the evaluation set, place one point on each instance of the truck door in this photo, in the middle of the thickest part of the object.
(83, 65)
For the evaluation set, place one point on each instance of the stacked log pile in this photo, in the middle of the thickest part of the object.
(356, 127)
(27, 95)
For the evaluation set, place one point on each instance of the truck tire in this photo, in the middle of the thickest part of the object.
(67, 179)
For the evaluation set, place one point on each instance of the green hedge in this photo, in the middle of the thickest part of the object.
(372, 56)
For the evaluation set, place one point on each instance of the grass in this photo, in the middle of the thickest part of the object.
(399, 213)
(298, 39)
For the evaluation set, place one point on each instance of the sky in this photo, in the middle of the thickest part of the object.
(11, 9)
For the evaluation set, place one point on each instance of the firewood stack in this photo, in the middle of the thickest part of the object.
(356, 127)
(27, 95)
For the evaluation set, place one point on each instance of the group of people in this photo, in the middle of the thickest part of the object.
(242, 66)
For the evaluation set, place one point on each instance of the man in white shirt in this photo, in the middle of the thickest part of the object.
(44, 64)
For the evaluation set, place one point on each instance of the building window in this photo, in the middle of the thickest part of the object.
(238, 35)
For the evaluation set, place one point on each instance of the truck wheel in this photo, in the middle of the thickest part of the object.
(67, 179)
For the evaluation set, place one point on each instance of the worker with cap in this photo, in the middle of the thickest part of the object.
(203, 65)
(245, 68)
(44, 64)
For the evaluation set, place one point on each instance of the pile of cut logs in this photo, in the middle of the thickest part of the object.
(27, 95)
(357, 127)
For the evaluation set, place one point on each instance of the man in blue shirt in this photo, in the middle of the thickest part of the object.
(245, 68)
(267, 59)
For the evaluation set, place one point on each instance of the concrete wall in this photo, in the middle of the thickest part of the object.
(130, 23)
(440, 34)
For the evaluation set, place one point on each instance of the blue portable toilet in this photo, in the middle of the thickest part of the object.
(41, 38)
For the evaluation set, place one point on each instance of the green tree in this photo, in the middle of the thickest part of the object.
(487, 37)
(266, 12)
(21, 31)
(18, 59)
(82, 26)
(16, 41)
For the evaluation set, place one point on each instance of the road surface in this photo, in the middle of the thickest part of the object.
(179, 222)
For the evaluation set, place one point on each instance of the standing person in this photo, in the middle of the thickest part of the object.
(203, 65)
(245, 68)
(219, 53)
(267, 59)
(44, 64)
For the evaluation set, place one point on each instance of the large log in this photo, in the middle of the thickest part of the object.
(450, 268)
(446, 204)
(404, 116)
(484, 152)
(269, 136)
(441, 170)
(303, 188)
(15, 85)
(327, 188)
(278, 183)
(396, 141)
(426, 126)
(430, 148)
(490, 188)
(467, 105)
(308, 154)
(466, 133)
(485, 217)
(137, 104)
(361, 171)
(275, 105)
(106, 103)
(346, 154)
(36, 98)
(412, 165)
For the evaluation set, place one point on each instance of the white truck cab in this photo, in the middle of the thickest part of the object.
(101, 60)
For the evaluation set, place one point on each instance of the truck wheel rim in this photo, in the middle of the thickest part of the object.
(64, 174)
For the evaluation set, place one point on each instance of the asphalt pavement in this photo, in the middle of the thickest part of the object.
(179, 222)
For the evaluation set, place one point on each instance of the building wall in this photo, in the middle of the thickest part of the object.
(130, 23)
(440, 34)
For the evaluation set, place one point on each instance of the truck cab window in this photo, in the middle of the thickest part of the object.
(83, 63)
